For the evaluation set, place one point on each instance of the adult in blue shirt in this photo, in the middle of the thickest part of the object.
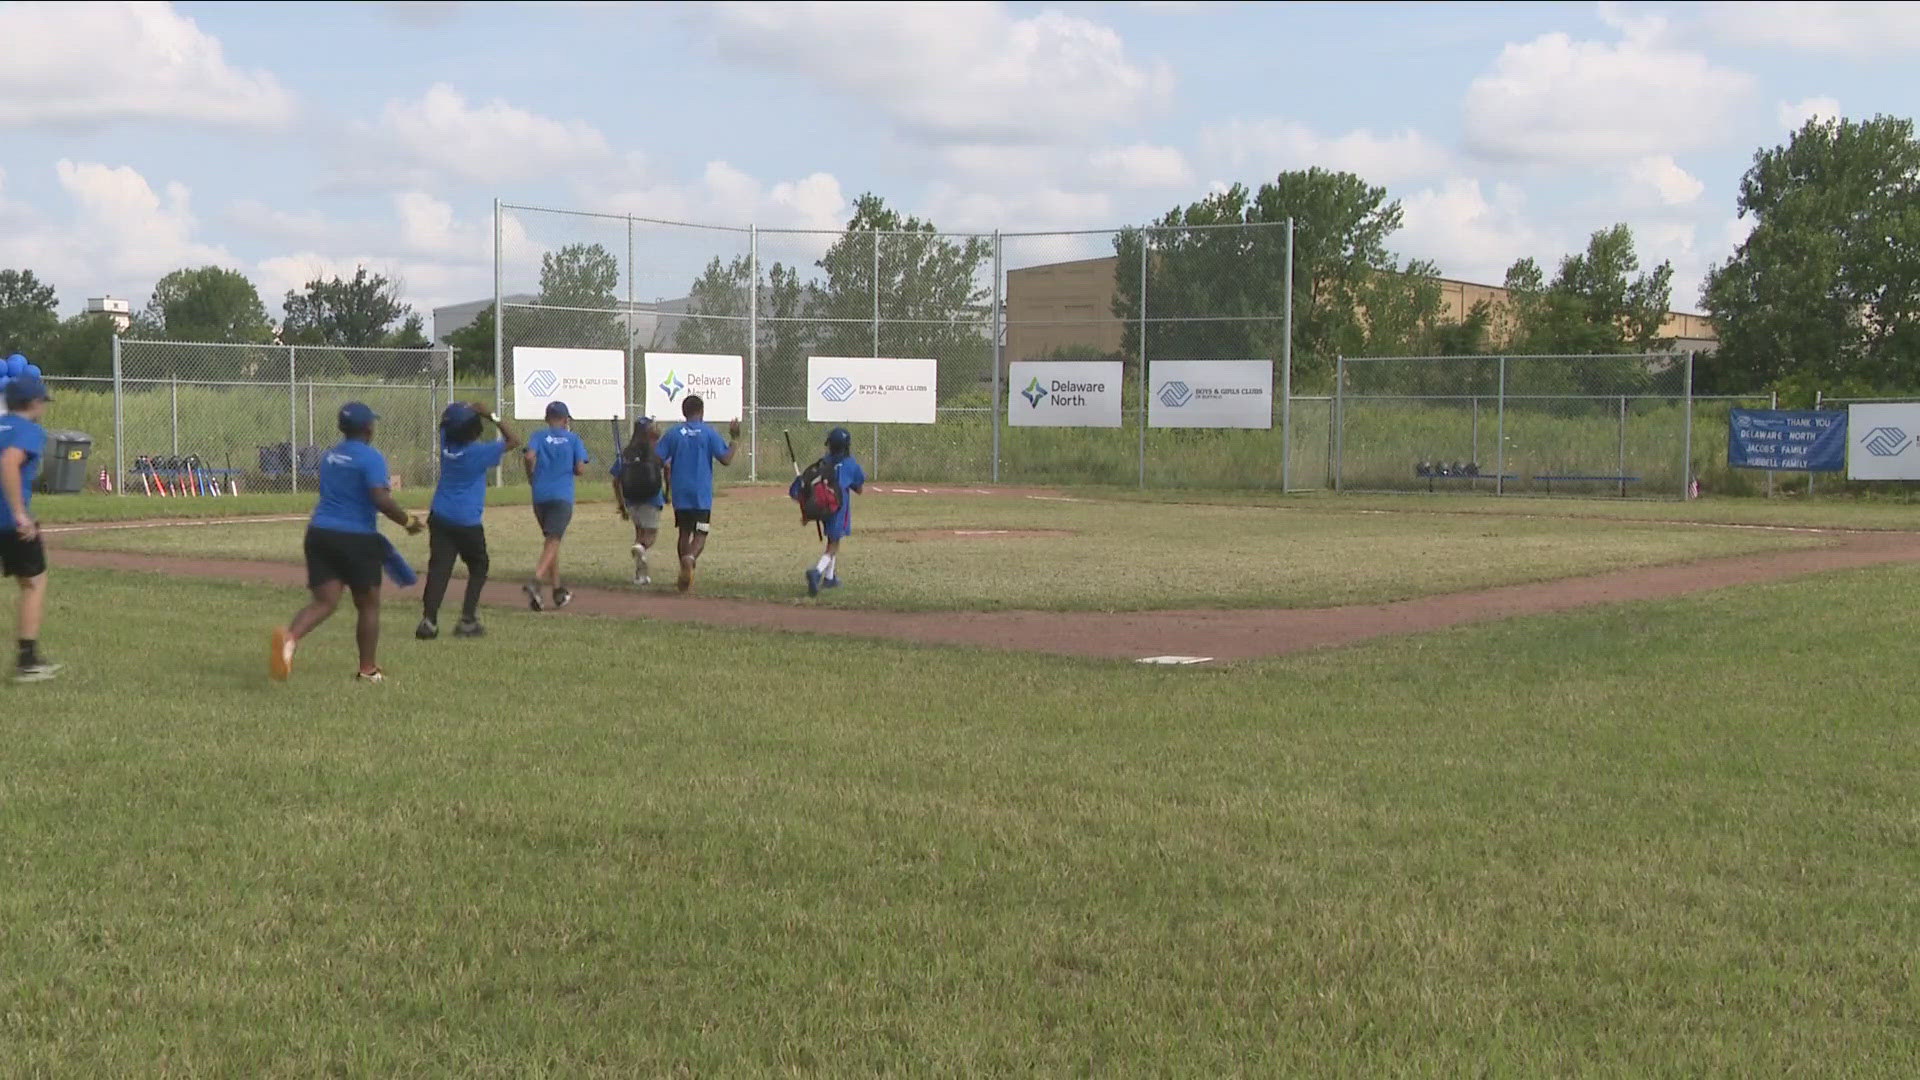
(689, 451)
(554, 457)
(23, 443)
(344, 548)
(848, 478)
(454, 529)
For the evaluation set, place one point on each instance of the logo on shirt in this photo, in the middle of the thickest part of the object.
(837, 389)
(671, 386)
(1034, 393)
(1886, 442)
(542, 382)
(1175, 394)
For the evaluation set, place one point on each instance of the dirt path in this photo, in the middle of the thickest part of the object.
(1219, 634)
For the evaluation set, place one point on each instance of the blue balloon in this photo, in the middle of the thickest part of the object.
(16, 365)
(33, 370)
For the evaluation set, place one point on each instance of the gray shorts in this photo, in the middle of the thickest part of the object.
(554, 517)
(645, 515)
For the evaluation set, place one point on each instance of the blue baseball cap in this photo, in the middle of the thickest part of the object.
(558, 409)
(456, 414)
(24, 390)
(356, 416)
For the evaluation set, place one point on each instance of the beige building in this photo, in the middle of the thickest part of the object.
(1069, 306)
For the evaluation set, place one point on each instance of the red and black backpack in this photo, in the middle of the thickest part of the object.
(820, 496)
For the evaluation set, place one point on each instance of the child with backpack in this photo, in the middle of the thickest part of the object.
(640, 492)
(824, 491)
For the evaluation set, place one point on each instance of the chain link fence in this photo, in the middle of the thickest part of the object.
(255, 417)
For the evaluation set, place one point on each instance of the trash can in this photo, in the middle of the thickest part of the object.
(64, 469)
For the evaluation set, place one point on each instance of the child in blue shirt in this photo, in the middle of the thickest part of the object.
(554, 457)
(849, 477)
(23, 445)
(454, 529)
(637, 469)
(689, 451)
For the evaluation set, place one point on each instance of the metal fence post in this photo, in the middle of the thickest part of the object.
(1339, 420)
(173, 407)
(627, 394)
(1622, 473)
(875, 233)
(293, 423)
(1286, 377)
(1686, 437)
(1476, 434)
(1500, 436)
(119, 423)
(1144, 240)
(1773, 402)
(1819, 397)
(753, 352)
(997, 331)
(499, 333)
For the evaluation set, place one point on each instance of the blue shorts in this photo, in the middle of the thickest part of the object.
(837, 528)
(554, 517)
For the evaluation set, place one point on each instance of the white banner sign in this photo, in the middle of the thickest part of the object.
(715, 379)
(592, 382)
(859, 390)
(1064, 393)
(1881, 442)
(1210, 394)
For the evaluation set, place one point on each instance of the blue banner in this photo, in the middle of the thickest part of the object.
(1778, 439)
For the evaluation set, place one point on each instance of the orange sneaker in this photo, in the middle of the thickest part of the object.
(280, 658)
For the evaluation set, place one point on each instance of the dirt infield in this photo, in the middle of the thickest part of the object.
(1220, 635)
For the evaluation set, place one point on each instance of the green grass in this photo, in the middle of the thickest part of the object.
(585, 848)
(1116, 556)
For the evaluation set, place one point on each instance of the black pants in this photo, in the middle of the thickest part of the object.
(445, 542)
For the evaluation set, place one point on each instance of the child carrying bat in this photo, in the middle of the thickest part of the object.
(824, 492)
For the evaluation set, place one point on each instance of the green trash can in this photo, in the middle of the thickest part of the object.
(63, 471)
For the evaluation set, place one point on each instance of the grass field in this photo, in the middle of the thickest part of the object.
(1644, 840)
(926, 552)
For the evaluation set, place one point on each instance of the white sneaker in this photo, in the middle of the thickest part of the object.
(640, 576)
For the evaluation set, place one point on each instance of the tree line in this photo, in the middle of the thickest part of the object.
(1823, 292)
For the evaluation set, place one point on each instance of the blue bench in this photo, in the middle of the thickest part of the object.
(1431, 477)
(1570, 478)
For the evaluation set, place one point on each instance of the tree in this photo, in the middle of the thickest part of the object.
(716, 322)
(473, 346)
(581, 280)
(27, 312)
(1220, 292)
(1827, 285)
(1598, 301)
(207, 304)
(356, 313)
(931, 300)
(79, 346)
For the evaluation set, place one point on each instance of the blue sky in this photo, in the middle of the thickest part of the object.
(287, 140)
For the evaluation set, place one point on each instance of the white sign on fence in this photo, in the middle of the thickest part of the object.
(1064, 393)
(1881, 442)
(1210, 394)
(859, 390)
(716, 379)
(592, 382)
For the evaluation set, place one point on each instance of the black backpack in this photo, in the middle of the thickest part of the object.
(641, 478)
(820, 496)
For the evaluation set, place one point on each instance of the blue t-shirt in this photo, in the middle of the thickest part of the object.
(847, 475)
(18, 432)
(690, 451)
(349, 473)
(619, 465)
(555, 453)
(461, 496)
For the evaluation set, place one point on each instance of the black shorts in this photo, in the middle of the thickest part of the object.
(356, 560)
(446, 540)
(21, 558)
(691, 520)
(554, 517)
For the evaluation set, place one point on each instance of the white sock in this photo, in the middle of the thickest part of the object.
(833, 566)
(825, 566)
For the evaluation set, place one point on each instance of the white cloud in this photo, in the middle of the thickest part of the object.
(488, 143)
(1554, 99)
(280, 226)
(1673, 185)
(63, 64)
(1859, 29)
(1794, 115)
(1269, 146)
(957, 209)
(724, 195)
(954, 72)
(1468, 234)
(1143, 166)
